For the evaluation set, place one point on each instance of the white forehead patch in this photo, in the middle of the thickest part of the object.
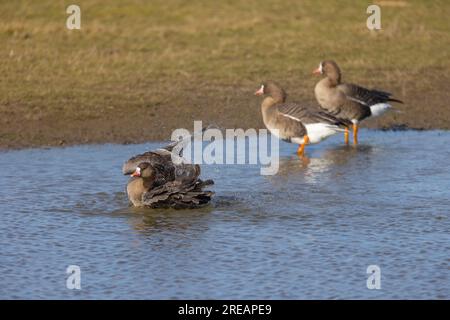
(138, 170)
(321, 67)
(262, 87)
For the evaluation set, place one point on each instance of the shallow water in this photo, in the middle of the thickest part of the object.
(310, 231)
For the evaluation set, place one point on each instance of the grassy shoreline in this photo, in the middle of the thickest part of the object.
(136, 71)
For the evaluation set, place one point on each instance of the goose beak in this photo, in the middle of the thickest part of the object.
(137, 173)
(260, 91)
(317, 71)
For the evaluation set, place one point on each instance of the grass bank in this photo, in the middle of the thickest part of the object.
(138, 69)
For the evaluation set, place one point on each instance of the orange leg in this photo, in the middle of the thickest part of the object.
(346, 136)
(355, 133)
(301, 148)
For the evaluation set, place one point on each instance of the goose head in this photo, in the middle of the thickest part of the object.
(330, 69)
(272, 89)
(144, 170)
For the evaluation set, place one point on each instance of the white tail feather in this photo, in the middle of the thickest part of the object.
(379, 108)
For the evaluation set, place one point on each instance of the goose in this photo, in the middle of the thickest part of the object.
(348, 101)
(293, 122)
(157, 182)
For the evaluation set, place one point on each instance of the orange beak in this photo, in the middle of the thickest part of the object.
(317, 71)
(260, 91)
(137, 173)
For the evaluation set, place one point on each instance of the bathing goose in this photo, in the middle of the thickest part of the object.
(157, 182)
(348, 101)
(293, 122)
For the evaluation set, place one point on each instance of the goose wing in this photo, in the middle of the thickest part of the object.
(158, 157)
(178, 194)
(307, 114)
(367, 97)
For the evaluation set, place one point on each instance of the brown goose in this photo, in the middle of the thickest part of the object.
(348, 101)
(293, 122)
(157, 182)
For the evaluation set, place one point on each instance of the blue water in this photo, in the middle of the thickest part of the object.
(308, 232)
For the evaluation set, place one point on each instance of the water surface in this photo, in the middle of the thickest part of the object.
(308, 232)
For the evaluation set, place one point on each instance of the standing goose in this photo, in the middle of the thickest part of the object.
(348, 101)
(293, 122)
(157, 182)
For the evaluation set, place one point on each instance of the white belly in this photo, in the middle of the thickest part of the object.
(320, 131)
(316, 132)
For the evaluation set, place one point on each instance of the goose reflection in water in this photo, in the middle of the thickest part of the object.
(150, 222)
(321, 161)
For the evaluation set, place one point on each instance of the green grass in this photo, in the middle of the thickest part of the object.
(184, 60)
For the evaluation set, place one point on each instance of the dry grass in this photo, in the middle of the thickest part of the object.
(138, 69)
